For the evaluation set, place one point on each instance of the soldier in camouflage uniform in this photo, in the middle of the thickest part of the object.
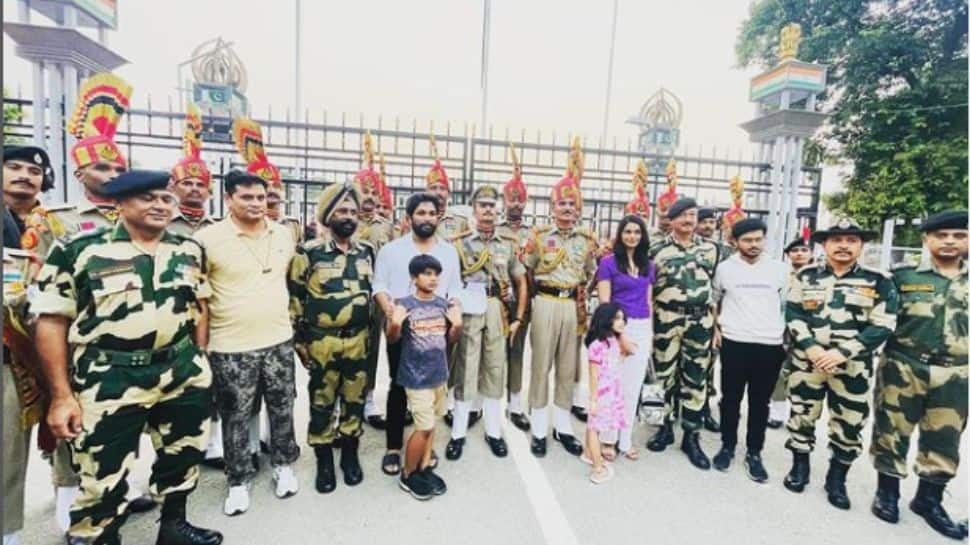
(683, 328)
(839, 312)
(922, 380)
(377, 231)
(129, 303)
(330, 291)
(491, 271)
(514, 198)
(191, 179)
(562, 261)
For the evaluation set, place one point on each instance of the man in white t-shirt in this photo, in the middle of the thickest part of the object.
(750, 329)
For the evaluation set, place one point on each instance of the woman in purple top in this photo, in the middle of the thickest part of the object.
(626, 278)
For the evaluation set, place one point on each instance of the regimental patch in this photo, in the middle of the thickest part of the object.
(866, 292)
(111, 270)
(905, 288)
(29, 240)
(87, 225)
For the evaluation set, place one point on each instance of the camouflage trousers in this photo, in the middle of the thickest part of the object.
(911, 394)
(339, 372)
(682, 356)
(845, 393)
(241, 378)
(169, 399)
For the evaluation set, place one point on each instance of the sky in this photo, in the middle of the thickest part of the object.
(419, 60)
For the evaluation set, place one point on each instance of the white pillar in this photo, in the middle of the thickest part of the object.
(70, 16)
(774, 199)
(796, 182)
(39, 105)
(783, 197)
(70, 97)
(56, 145)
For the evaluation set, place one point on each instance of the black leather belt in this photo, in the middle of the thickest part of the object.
(561, 293)
(694, 311)
(141, 358)
(926, 358)
(339, 332)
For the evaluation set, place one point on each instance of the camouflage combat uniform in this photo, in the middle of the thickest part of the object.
(135, 364)
(516, 348)
(330, 305)
(923, 379)
(854, 313)
(683, 325)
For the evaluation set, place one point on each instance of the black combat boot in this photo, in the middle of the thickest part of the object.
(175, 530)
(835, 484)
(349, 463)
(928, 504)
(326, 477)
(797, 478)
(886, 503)
(662, 439)
(691, 446)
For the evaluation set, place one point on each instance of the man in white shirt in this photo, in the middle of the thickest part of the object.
(392, 281)
(750, 330)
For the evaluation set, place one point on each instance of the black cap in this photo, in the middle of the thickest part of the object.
(34, 155)
(746, 226)
(705, 213)
(680, 206)
(797, 243)
(134, 182)
(949, 219)
(844, 226)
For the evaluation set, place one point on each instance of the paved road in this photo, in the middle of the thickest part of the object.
(660, 499)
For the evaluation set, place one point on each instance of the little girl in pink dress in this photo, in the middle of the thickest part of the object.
(605, 391)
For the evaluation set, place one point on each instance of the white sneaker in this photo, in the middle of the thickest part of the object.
(237, 502)
(285, 479)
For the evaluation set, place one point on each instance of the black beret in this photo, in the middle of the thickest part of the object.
(797, 243)
(135, 182)
(705, 213)
(746, 226)
(34, 155)
(844, 226)
(949, 219)
(680, 207)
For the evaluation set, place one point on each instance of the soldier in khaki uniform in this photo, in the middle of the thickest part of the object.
(683, 328)
(191, 179)
(102, 101)
(26, 172)
(922, 380)
(377, 231)
(514, 198)
(838, 314)
(562, 261)
(664, 202)
(330, 306)
(491, 271)
(128, 304)
(436, 182)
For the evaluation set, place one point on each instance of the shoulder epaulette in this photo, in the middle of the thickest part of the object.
(507, 236)
(81, 235)
(366, 244)
(903, 267)
(542, 228)
(460, 235)
(313, 244)
(60, 207)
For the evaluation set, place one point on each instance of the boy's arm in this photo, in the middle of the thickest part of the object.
(395, 322)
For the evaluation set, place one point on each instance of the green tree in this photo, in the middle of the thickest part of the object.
(12, 113)
(897, 92)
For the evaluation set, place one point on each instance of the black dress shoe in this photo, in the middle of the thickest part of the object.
(579, 412)
(377, 422)
(520, 420)
(538, 447)
(722, 460)
(141, 504)
(349, 463)
(835, 485)
(180, 532)
(498, 446)
(473, 418)
(450, 418)
(798, 476)
(214, 463)
(928, 504)
(775, 424)
(691, 446)
(326, 481)
(662, 439)
(569, 442)
(454, 449)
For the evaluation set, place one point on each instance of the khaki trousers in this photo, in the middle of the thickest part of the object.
(555, 344)
(480, 369)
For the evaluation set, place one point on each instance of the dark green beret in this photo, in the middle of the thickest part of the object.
(705, 213)
(34, 155)
(843, 226)
(681, 206)
(949, 219)
(135, 182)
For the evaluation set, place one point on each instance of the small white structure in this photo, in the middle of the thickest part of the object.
(784, 117)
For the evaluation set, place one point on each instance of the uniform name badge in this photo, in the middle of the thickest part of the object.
(473, 299)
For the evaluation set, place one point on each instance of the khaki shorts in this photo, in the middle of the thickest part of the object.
(425, 405)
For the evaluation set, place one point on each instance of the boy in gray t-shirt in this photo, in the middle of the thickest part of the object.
(424, 323)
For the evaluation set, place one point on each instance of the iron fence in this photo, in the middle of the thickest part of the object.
(312, 154)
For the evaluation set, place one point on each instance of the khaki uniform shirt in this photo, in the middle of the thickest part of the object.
(57, 222)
